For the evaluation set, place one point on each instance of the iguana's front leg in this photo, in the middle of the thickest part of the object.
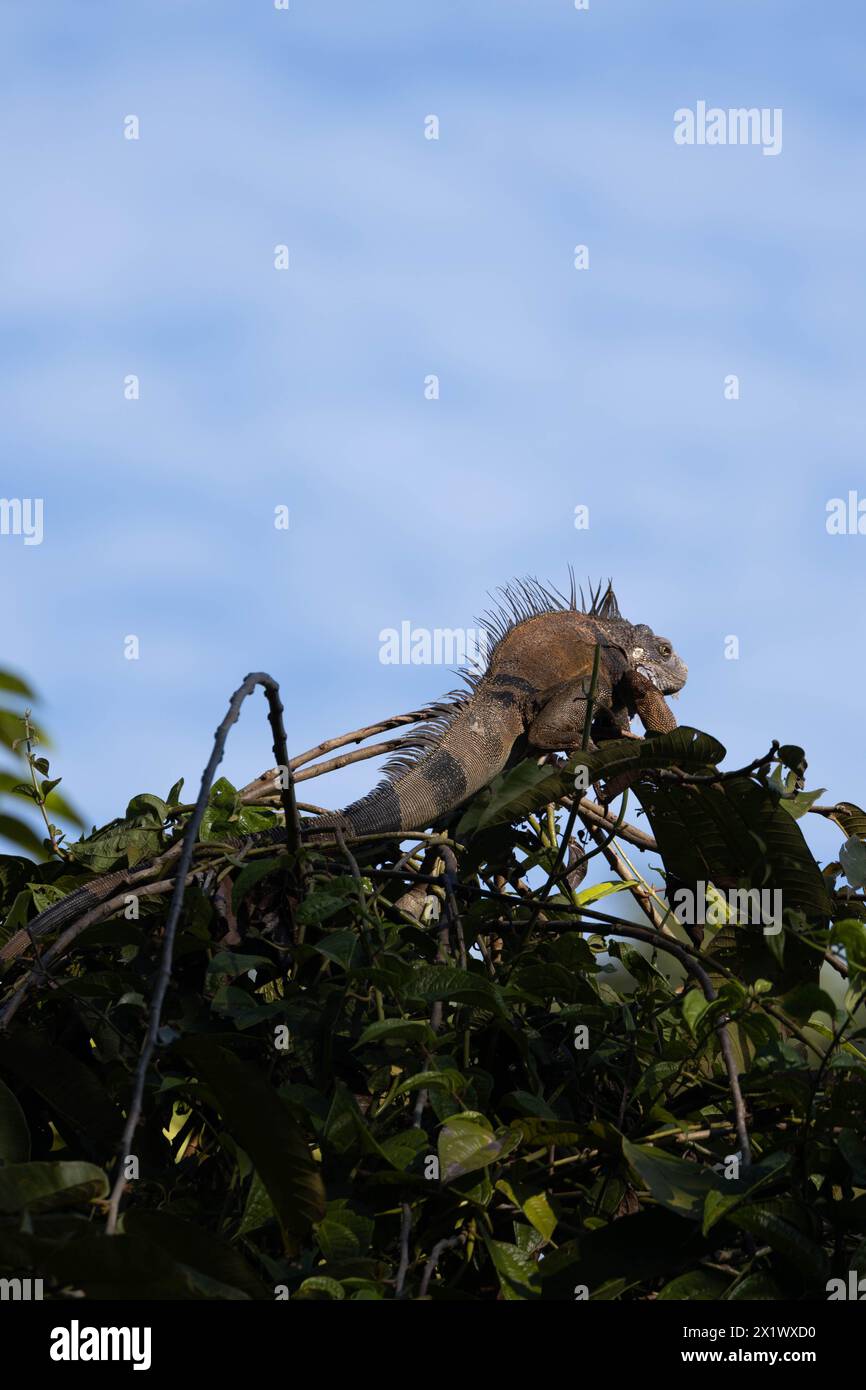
(647, 702)
(636, 694)
(558, 726)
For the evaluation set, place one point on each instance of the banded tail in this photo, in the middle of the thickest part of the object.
(444, 763)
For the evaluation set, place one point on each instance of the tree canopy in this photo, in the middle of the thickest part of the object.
(448, 1065)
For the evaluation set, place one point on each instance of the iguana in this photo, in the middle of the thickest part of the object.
(533, 693)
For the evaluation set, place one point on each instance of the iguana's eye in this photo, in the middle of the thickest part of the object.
(665, 649)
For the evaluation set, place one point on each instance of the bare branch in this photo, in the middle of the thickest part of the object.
(252, 790)
(189, 840)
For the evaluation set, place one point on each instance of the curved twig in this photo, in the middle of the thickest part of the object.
(697, 779)
(435, 1256)
(189, 840)
(250, 791)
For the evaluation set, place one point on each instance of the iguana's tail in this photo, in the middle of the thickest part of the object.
(444, 763)
(74, 905)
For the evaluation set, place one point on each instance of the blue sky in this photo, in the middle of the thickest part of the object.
(408, 257)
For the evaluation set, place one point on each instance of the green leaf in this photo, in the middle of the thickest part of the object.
(344, 1122)
(448, 982)
(148, 807)
(516, 1270)
(120, 840)
(799, 804)
(548, 980)
(782, 1223)
(534, 1132)
(678, 1185)
(49, 1186)
(17, 832)
(398, 1029)
(716, 1206)
(805, 1000)
(695, 1005)
(851, 936)
(189, 1244)
(603, 890)
(250, 875)
(344, 947)
(644, 1246)
(402, 1149)
(449, 1079)
(224, 796)
(535, 1206)
(793, 756)
(510, 797)
(736, 833)
(130, 1268)
(685, 748)
(45, 894)
(26, 789)
(321, 1287)
(71, 1087)
(260, 1122)
(852, 857)
(573, 951)
(230, 965)
(317, 907)
(258, 1208)
(16, 686)
(756, 1287)
(345, 1233)
(467, 1143)
(699, 1285)
(853, 1150)
(733, 1192)
(514, 794)
(173, 797)
(851, 818)
(14, 1132)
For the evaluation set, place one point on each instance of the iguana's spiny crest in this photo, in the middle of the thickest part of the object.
(650, 654)
(540, 659)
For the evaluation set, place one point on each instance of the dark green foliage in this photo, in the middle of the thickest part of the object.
(28, 783)
(364, 1106)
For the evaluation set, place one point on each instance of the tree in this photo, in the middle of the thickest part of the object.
(450, 1071)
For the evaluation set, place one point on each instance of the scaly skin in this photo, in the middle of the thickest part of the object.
(535, 687)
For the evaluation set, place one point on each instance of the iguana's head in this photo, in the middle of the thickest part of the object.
(656, 659)
(653, 656)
